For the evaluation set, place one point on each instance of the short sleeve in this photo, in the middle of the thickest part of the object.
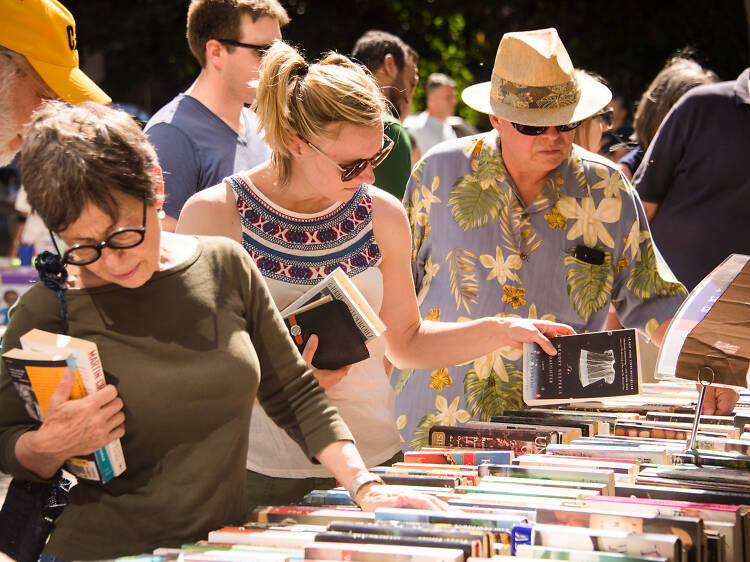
(179, 162)
(393, 173)
(645, 291)
(654, 177)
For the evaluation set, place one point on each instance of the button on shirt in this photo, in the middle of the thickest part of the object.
(478, 251)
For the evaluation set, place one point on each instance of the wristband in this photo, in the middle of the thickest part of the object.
(361, 480)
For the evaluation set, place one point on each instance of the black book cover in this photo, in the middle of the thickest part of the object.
(339, 340)
(587, 367)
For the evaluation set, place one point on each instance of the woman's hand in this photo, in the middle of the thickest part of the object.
(72, 427)
(371, 496)
(519, 330)
(326, 378)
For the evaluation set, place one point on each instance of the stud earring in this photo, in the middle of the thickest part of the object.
(160, 213)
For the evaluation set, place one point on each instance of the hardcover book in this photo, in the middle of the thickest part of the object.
(587, 367)
(36, 370)
(339, 341)
(338, 286)
(519, 441)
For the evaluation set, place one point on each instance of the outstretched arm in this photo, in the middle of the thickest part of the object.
(413, 342)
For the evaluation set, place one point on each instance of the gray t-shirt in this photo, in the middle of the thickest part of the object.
(196, 149)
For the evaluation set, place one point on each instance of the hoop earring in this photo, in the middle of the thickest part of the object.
(160, 214)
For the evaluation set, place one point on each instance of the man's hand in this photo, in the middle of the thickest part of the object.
(719, 400)
(326, 378)
(520, 330)
(371, 496)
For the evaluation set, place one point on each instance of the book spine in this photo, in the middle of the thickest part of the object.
(520, 534)
(520, 442)
(110, 458)
(327, 497)
(364, 327)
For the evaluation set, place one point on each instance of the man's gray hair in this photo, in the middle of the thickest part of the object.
(438, 80)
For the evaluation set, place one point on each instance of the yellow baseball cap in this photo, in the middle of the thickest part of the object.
(44, 31)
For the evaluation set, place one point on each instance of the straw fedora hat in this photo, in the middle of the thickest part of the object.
(534, 83)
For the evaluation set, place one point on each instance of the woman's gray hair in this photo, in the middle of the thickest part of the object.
(73, 156)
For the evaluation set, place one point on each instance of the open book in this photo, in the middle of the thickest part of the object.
(337, 312)
(587, 367)
(36, 370)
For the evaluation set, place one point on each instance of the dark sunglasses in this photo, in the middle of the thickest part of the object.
(120, 239)
(356, 167)
(260, 48)
(607, 116)
(533, 131)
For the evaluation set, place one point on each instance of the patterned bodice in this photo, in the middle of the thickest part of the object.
(303, 248)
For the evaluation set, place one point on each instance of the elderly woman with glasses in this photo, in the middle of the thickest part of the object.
(311, 209)
(189, 338)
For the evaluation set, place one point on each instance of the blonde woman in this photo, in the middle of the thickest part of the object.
(310, 209)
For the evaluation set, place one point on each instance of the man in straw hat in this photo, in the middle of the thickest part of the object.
(38, 61)
(521, 222)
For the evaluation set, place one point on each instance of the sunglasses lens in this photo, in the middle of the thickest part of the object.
(529, 130)
(569, 127)
(354, 170)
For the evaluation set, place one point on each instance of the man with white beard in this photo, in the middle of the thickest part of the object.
(38, 61)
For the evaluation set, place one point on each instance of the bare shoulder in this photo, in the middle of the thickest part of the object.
(389, 221)
(211, 211)
(385, 207)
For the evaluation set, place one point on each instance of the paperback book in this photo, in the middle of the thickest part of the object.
(587, 367)
(36, 370)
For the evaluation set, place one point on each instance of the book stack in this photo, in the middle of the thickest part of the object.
(583, 491)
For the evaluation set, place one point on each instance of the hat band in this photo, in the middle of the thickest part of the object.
(520, 96)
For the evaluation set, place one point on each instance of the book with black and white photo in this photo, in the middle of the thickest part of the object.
(587, 367)
(337, 312)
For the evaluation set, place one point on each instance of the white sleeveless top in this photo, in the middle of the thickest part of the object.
(294, 252)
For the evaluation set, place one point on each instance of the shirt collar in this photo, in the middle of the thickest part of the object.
(567, 179)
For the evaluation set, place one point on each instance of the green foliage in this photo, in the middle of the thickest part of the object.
(147, 61)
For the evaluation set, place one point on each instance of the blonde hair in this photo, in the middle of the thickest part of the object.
(295, 98)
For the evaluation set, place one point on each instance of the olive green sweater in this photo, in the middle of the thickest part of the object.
(186, 351)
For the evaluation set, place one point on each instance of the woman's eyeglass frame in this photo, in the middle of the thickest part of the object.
(68, 257)
(357, 167)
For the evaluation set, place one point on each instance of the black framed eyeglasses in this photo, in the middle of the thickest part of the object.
(356, 167)
(607, 117)
(260, 48)
(120, 239)
(534, 131)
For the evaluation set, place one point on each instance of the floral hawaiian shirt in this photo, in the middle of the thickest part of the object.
(479, 251)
